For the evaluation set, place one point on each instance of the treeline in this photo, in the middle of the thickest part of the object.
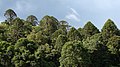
(53, 43)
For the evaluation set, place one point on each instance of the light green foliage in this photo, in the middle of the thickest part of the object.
(91, 43)
(3, 29)
(56, 34)
(61, 40)
(38, 38)
(114, 44)
(114, 47)
(24, 53)
(6, 54)
(89, 29)
(36, 29)
(73, 34)
(74, 55)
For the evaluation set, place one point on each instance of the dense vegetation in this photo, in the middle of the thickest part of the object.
(53, 43)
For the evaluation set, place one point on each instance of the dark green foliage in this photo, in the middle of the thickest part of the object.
(73, 34)
(109, 29)
(114, 47)
(15, 31)
(10, 15)
(99, 53)
(32, 20)
(49, 24)
(52, 43)
(64, 25)
(89, 29)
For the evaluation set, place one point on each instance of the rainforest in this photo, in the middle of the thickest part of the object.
(50, 42)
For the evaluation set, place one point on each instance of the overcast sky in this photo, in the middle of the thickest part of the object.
(76, 12)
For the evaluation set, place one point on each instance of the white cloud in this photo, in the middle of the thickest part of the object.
(73, 15)
(74, 11)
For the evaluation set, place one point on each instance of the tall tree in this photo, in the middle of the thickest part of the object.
(99, 54)
(74, 55)
(114, 47)
(109, 29)
(15, 31)
(49, 24)
(61, 40)
(38, 38)
(64, 25)
(73, 34)
(24, 53)
(56, 34)
(10, 15)
(32, 20)
(89, 29)
(6, 54)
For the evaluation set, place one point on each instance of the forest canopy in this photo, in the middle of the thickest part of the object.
(53, 43)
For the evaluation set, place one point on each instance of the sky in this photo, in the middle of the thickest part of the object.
(76, 12)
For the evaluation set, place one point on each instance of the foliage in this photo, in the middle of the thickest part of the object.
(73, 34)
(89, 29)
(49, 24)
(74, 55)
(10, 15)
(32, 20)
(54, 43)
(109, 29)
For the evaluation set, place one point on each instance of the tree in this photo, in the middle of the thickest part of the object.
(49, 24)
(3, 29)
(6, 54)
(39, 38)
(74, 55)
(109, 29)
(16, 31)
(99, 54)
(32, 20)
(61, 40)
(10, 15)
(45, 56)
(73, 34)
(89, 29)
(64, 25)
(56, 34)
(80, 30)
(24, 53)
(114, 47)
